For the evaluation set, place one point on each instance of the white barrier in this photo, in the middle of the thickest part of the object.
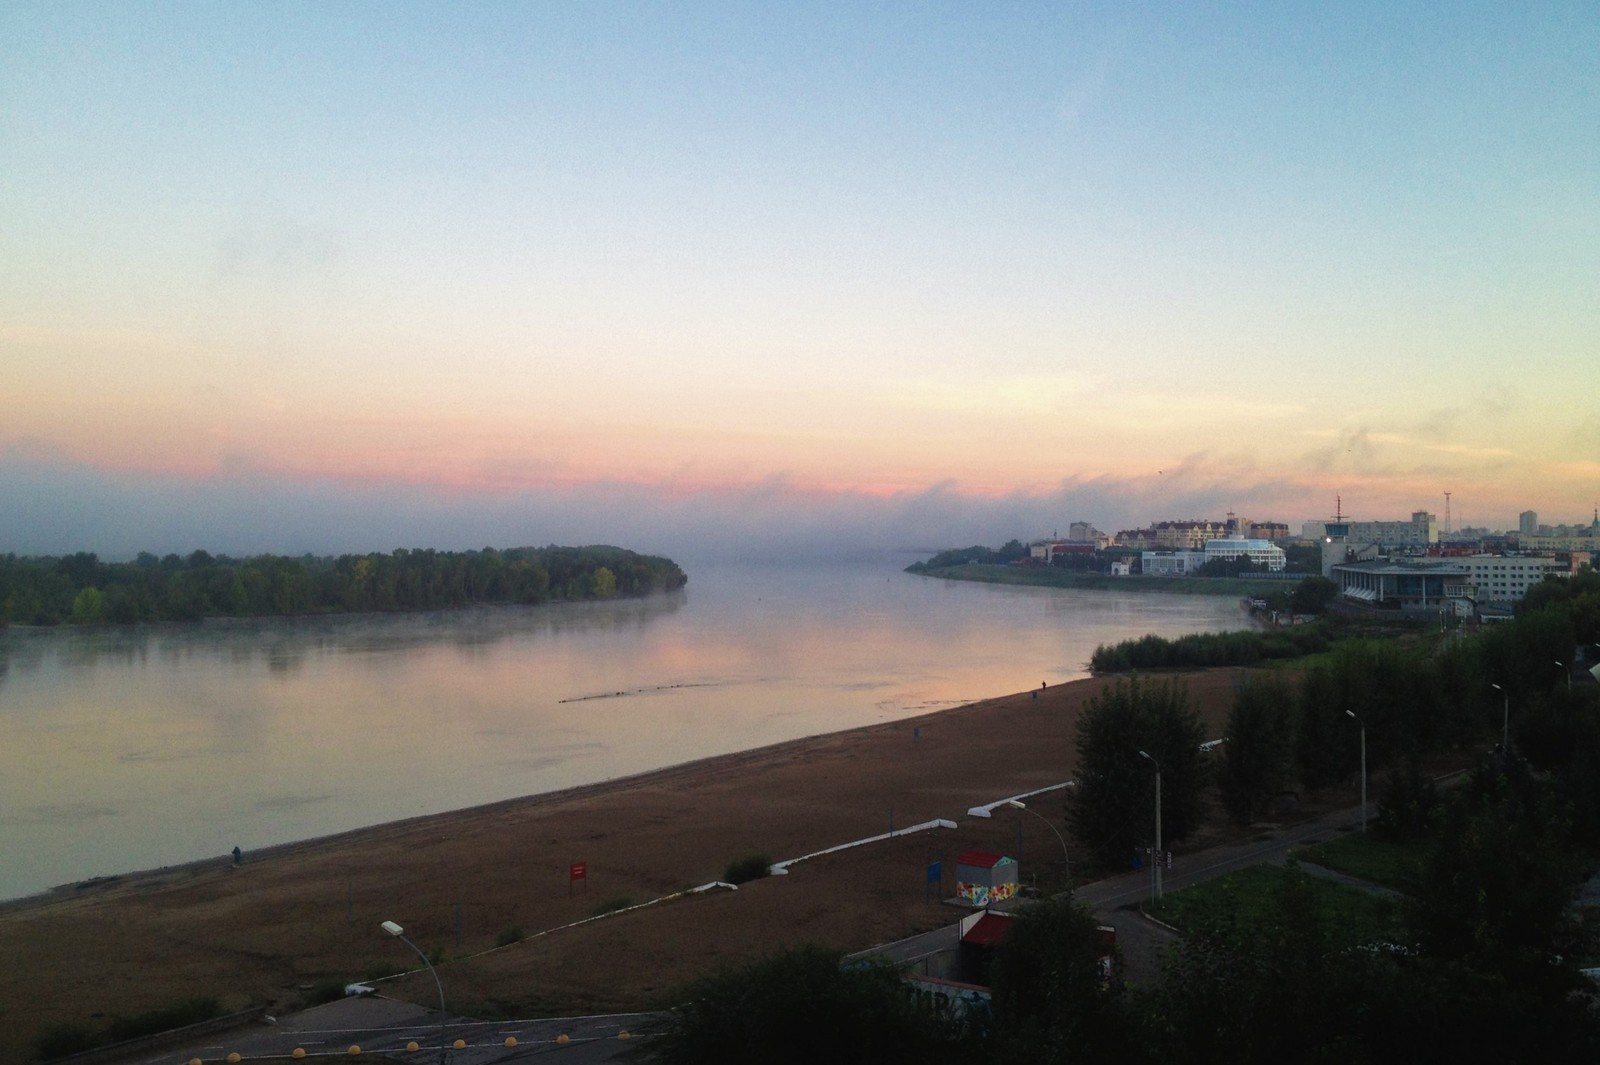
(987, 809)
(782, 868)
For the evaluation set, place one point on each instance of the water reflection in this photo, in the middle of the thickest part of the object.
(286, 644)
(123, 749)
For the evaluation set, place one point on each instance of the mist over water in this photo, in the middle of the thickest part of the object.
(127, 749)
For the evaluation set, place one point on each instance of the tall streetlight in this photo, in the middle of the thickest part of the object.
(1505, 721)
(1018, 805)
(1155, 865)
(399, 933)
(1363, 725)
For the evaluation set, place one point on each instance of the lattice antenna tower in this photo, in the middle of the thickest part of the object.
(1447, 514)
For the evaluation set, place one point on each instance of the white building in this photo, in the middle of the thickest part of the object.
(1171, 563)
(1506, 579)
(1261, 552)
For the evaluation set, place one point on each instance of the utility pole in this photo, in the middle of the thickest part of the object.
(1156, 858)
(1363, 725)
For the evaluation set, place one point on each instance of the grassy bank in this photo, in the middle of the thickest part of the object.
(1250, 902)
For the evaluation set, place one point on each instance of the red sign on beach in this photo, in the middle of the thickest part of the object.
(579, 871)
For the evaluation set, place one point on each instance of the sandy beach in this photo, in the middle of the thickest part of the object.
(286, 919)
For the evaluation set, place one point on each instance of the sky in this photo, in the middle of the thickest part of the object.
(788, 279)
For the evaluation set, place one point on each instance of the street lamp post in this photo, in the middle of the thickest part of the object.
(1065, 860)
(1155, 865)
(1505, 720)
(1363, 725)
(399, 933)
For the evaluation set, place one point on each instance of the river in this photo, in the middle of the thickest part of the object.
(135, 748)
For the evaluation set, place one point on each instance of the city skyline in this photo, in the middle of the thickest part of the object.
(308, 279)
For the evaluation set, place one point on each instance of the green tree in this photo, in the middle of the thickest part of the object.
(1258, 759)
(1052, 1002)
(1312, 595)
(605, 583)
(1266, 987)
(89, 608)
(1497, 886)
(1407, 801)
(1112, 807)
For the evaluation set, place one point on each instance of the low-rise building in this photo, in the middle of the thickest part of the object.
(1410, 584)
(1421, 531)
(1048, 551)
(1171, 563)
(1261, 552)
(1507, 578)
(1269, 530)
(1427, 583)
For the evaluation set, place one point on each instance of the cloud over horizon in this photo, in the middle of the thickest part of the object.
(55, 506)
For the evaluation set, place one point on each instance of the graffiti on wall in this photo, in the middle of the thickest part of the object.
(980, 894)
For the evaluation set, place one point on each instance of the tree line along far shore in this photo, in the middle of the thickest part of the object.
(82, 589)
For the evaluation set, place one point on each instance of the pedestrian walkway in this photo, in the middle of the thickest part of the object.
(1324, 873)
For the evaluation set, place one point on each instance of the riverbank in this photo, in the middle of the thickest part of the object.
(288, 919)
(1054, 577)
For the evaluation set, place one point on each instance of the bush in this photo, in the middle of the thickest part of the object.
(750, 867)
(63, 1038)
(326, 990)
(1203, 649)
(1406, 804)
(621, 902)
(189, 1011)
(74, 1037)
(800, 1005)
(381, 970)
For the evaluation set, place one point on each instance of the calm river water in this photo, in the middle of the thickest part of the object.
(124, 750)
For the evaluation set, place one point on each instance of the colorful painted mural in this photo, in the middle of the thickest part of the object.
(984, 878)
(983, 894)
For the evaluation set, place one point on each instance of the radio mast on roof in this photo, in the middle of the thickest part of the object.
(1447, 513)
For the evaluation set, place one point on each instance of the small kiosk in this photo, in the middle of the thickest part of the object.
(984, 878)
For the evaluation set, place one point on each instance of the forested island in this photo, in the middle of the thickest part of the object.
(81, 589)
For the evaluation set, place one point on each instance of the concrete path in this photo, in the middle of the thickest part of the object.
(1323, 873)
(385, 1026)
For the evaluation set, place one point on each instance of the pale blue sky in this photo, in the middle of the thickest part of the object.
(1272, 251)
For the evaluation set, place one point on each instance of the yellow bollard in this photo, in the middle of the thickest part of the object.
(299, 1052)
(233, 1059)
(412, 1046)
(624, 1034)
(460, 1044)
(354, 1049)
(511, 1040)
(562, 1039)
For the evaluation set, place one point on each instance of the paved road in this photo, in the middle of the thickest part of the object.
(386, 1026)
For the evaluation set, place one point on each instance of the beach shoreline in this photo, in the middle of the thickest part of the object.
(575, 792)
(299, 914)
